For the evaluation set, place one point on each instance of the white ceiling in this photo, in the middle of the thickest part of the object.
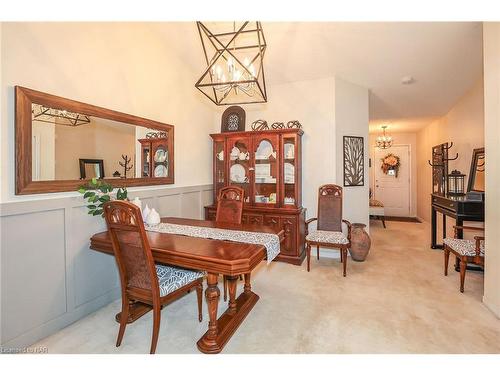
(402, 125)
(445, 59)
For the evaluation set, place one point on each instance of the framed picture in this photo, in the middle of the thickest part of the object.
(354, 161)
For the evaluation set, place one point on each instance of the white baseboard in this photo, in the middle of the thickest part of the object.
(494, 309)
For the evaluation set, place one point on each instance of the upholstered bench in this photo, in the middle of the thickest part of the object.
(377, 210)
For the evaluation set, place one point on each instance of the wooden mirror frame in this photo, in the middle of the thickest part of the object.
(24, 176)
(473, 168)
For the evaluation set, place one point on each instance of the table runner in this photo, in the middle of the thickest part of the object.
(270, 241)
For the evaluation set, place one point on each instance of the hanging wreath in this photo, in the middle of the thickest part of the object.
(390, 162)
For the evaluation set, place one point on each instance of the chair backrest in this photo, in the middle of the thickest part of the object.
(230, 205)
(131, 246)
(330, 208)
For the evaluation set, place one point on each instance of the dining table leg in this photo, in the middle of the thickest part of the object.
(220, 330)
(232, 281)
(212, 296)
(248, 286)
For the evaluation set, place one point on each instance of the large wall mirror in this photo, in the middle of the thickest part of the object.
(61, 143)
(477, 169)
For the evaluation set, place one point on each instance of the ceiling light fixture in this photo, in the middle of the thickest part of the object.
(58, 116)
(235, 70)
(384, 141)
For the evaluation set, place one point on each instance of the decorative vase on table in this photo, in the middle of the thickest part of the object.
(360, 242)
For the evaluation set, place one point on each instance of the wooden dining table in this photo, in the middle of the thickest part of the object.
(216, 257)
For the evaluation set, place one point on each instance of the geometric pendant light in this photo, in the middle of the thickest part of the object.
(234, 57)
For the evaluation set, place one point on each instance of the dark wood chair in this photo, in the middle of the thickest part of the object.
(230, 205)
(230, 210)
(468, 251)
(141, 280)
(329, 228)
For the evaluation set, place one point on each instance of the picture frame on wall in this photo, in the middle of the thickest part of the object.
(354, 161)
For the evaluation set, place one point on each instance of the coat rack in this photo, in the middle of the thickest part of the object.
(439, 166)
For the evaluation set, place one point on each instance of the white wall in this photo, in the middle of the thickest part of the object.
(399, 139)
(128, 67)
(351, 118)
(312, 103)
(464, 126)
(327, 109)
(491, 44)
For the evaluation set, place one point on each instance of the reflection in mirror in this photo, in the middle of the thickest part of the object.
(91, 168)
(61, 139)
(478, 164)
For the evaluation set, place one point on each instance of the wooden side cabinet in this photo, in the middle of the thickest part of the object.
(267, 166)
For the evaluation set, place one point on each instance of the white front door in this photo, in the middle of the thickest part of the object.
(392, 191)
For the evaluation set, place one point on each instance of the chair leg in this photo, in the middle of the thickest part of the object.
(225, 288)
(156, 328)
(341, 256)
(317, 249)
(123, 320)
(383, 222)
(446, 259)
(463, 268)
(199, 295)
(344, 262)
(308, 250)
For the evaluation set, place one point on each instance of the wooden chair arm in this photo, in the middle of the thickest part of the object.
(349, 226)
(309, 222)
(479, 238)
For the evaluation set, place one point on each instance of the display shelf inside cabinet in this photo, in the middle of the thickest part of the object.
(267, 166)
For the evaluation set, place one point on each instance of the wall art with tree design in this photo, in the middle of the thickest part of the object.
(354, 161)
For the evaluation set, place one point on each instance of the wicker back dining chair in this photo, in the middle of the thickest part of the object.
(230, 210)
(467, 251)
(141, 279)
(230, 205)
(329, 227)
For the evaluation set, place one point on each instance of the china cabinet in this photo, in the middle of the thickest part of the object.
(267, 166)
(156, 158)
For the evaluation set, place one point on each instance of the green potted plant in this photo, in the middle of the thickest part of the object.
(97, 192)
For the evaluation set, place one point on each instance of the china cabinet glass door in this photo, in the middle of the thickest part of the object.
(219, 172)
(238, 154)
(290, 166)
(146, 159)
(266, 170)
(160, 159)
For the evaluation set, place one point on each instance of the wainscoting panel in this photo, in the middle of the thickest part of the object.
(169, 205)
(95, 274)
(50, 277)
(33, 270)
(191, 205)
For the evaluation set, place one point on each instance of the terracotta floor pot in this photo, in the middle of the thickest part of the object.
(360, 242)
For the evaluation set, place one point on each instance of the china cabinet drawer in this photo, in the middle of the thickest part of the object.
(253, 219)
(289, 225)
(272, 221)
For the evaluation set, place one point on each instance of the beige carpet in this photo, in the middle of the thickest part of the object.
(398, 301)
